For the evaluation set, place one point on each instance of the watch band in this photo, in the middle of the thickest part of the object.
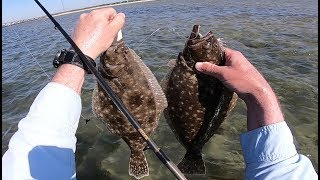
(71, 57)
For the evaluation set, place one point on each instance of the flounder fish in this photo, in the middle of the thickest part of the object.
(133, 82)
(197, 103)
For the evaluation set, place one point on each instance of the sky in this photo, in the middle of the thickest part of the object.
(13, 10)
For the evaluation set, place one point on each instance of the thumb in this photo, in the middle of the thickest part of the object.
(210, 69)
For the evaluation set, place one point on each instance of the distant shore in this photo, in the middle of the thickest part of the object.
(76, 10)
(100, 6)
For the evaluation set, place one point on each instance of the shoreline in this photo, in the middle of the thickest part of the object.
(75, 11)
(98, 7)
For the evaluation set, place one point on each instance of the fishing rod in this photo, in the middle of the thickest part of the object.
(160, 154)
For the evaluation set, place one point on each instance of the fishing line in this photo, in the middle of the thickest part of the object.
(117, 102)
(35, 61)
(33, 58)
(161, 29)
(148, 37)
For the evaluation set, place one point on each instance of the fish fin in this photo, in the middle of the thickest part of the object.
(160, 98)
(233, 102)
(138, 165)
(172, 62)
(164, 82)
(169, 122)
(192, 164)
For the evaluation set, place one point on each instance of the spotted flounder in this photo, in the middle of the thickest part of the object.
(140, 92)
(197, 103)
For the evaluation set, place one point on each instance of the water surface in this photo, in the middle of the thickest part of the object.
(279, 37)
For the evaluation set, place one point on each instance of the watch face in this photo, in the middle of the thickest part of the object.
(60, 56)
(58, 59)
(56, 63)
(57, 55)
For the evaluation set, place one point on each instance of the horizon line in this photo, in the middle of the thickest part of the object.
(75, 10)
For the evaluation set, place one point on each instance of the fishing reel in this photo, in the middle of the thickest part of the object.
(71, 57)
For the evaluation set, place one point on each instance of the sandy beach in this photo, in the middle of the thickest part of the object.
(98, 7)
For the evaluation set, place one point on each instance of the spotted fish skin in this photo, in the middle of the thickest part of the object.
(197, 103)
(133, 82)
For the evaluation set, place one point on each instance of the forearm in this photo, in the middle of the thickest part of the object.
(70, 76)
(46, 137)
(262, 108)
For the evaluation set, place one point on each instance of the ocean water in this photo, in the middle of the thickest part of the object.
(279, 37)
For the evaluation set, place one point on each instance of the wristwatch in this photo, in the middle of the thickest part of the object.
(71, 57)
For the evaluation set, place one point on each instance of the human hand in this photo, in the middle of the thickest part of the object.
(240, 76)
(95, 31)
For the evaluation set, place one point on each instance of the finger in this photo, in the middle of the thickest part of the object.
(108, 13)
(209, 68)
(83, 15)
(117, 23)
(232, 56)
(228, 52)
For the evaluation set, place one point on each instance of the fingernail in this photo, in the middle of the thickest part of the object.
(198, 66)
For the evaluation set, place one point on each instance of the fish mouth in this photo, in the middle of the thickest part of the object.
(200, 48)
(196, 36)
(197, 41)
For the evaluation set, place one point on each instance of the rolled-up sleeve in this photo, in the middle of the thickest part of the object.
(269, 153)
(44, 145)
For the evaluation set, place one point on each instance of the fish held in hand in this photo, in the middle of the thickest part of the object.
(135, 85)
(197, 103)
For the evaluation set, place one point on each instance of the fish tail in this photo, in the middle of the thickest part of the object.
(138, 165)
(192, 163)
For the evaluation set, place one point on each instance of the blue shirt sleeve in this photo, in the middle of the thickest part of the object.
(269, 153)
